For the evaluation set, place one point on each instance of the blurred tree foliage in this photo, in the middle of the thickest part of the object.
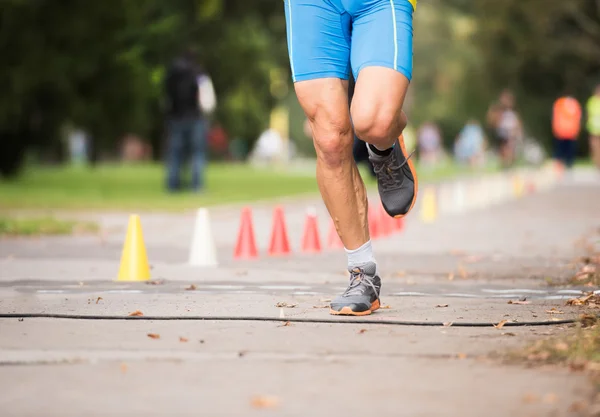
(99, 65)
(467, 51)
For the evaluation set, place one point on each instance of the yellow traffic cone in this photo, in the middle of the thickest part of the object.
(429, 208)
(134, 261)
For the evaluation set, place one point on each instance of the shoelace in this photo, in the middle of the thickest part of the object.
(358, 276)
(388, 179)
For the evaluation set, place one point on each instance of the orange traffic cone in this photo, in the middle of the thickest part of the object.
(279, 239)
(373, 219)
(398, 224)
(333, 239)
(245, 247)
(311, 243)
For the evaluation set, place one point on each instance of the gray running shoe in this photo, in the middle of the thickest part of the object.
(362, 295)
(396, 180)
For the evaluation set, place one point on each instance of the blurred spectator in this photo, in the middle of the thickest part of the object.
(77, 140)
(506, 126)
(429, 141)
(566, 124)
(135, 149)
(190, 100)
(469, 147)
(593, 125)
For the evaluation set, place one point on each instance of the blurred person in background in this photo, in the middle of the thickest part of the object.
(566, 124)
(469, 147)
(376, 38)
(593, 125)
(506, 126)
(190, 99)
(429, 142)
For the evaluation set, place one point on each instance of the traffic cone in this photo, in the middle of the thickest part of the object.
(203, 251)
(398, 224)
(386, 222)
(333, 239)
(279, 239)
(134, 261)
(245, 247)
(374, 222)
(429, 208)
(311, 243)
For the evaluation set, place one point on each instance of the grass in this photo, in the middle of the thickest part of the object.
(141, 186)
(43, 226)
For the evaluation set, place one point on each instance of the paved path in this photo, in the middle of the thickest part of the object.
(63, 367)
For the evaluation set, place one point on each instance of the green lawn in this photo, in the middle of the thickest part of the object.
(141, 187)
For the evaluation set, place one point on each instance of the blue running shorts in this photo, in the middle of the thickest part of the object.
(327, 38)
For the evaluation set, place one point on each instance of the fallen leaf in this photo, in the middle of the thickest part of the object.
(501, 324)
(508, 334)
(98, 299)
(588, 320)
(554, 311)
(578, 406)
(201, 341)
(123, 368)
(561, 346)
(400, 274)
(326, 300)
(264, 402)
(519, 302)
(153, 336)
(461, 355)
(242, 353)
(286, 324)
(447, 324)
(451, 276)
(323, 306)
(385, 307)
(441, 305)
(183, 339)
(136, 313)
(361, 331)
(156, 282)
(191, 288)
(530, 398)
(283, 304)
(581, 301)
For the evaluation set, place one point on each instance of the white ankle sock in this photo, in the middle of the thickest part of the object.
(360, 256)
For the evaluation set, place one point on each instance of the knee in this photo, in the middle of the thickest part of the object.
(378, 126)
(333, 143)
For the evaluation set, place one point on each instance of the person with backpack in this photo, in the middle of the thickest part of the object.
(190, 99)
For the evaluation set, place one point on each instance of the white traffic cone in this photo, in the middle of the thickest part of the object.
(203, 251)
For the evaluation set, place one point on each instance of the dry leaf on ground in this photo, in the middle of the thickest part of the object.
(501, 324)
(450, 276)
(323, 306)
(385, 307)
(286, 324)
(191, 288)
(183, 339)
(461, 356)
(361, 331)
(98, 299)
(519, 302)
(285, 305)
(123, 367)
(588, 320)
(261, 401)
(530, 398)
(136, 313)
(441, 305)
(153, 336)
(554, 311)
(462, 272)
(156, 282)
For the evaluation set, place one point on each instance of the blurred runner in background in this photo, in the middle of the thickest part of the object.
(566, 124)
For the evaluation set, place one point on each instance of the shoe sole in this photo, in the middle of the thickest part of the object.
(413, 171)
(347, 311)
